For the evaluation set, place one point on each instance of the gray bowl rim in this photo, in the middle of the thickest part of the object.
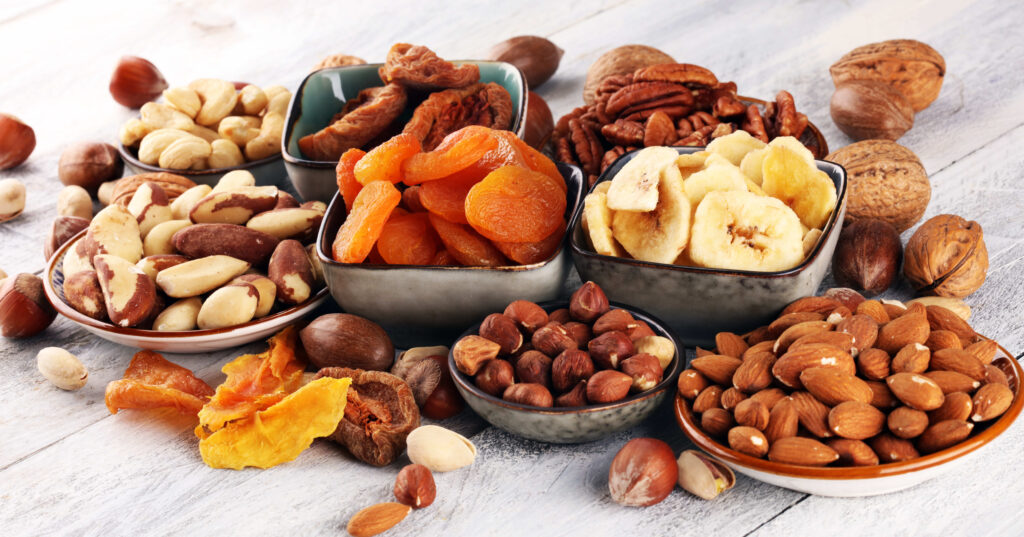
(832, 226)
(132, 159)
(295, 109)
(667, 381)
(338, 205)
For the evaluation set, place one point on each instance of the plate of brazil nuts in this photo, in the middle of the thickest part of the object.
(842, 396)
(232, 267)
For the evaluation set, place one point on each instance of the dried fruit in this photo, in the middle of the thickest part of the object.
(467, 246)
(153, 382)
(363, 226)
(946, 256)
(408, 239)
(361, 120)
(643, 473)
(515, 204)
(417, 67)
(385, 162)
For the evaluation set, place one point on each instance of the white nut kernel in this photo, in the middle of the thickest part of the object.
(235, 179)
(182, 205)
(225, 154)
(184, 152)
(184, 100)
(161, 116)
(62, 368)
(12, 199)
(218, 97)
(179, 317)
(439, 449)
(230, 305)
(252, 100)
(74, 200)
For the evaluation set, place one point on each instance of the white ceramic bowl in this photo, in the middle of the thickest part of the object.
(190, 342)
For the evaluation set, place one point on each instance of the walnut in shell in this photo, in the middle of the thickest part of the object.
(912, 67)
(620, 61)
(886, 181)
(946, 256)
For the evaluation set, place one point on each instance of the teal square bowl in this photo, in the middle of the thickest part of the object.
(323, 93)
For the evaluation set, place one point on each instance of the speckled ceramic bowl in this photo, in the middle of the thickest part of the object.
(268, 171)
(323, 94)
(574, 424)
(430, 304)
(861, 480)
(699, 302)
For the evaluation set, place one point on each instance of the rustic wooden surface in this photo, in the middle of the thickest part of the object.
(67, 467)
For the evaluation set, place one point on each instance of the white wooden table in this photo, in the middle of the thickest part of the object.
(67, 467)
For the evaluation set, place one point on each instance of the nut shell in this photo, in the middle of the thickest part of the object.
(913, 68)
(620, 61)
(866, 110)
(535, 56)
(343, 340)
(946, 256)
(89, 164)
(867, 256)
(643, 473)
(886, 181)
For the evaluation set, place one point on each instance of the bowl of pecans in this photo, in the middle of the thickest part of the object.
(850, 397)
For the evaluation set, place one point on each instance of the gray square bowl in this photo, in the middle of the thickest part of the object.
(432, 304)
(323, 93)
(698, 302)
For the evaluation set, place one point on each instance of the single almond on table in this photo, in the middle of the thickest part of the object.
(906, 422)
(943, 435)
(833, 387)
(990, 401)
(957, 406)
(802, 451)
(856, 420)
(377, 518)
(853, 452)
(916, 390)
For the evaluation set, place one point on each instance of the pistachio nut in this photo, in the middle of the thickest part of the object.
(439, 449)
(703, 476)
(61, 368)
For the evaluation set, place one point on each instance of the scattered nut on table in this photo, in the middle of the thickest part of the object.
(62, 368)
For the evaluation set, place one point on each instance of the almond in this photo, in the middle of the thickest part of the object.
(702, 352)
(730, 344)
(757, 335)
(813, 415)
(783, 421)
(852, 452)
(911, 359)
(832, 387)
(893, 308)
(756, 348)
(882, 397)
(991, 401)
(984, 350)
(994, 375)
(892, 449)
(691, 383)
(873, 364)
(960, 361)
(841, 340)
(902, 331)
(856, 420)
(778, 326)
(951, 381)
(755, 373)
(863, 328)
(732, 397)
(915, 308)
(837, 315)
(748, 440)
(943, 435)
(769, 396)
(955, 305)
(956, 406)
(943, 339)
(906, 422)
(916, 390)
(817, 304)
(873, 309)
(710, 397)
(940, 318)
(717, 368)
(802, 451)
(377, 519)
(787, 369)
(717, 422)
(796, 332)
(752, 414)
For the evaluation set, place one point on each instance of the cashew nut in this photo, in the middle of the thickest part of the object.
(269, 141)
(252, 99)
(225, 154)
(235, 179)
(184, 100)
(133, 132)
(239, 129)
(161, 116)
(156, 142)
(274, 91)
(205, 133)
(279, 104)
(183, 152)
(218, 98)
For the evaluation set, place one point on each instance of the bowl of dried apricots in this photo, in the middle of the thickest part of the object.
(437, 239)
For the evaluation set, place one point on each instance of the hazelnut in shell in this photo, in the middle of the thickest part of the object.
(24, 309)
(136, 82)
(17, 140)
(643, 473)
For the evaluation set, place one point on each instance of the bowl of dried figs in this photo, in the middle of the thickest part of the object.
(841, 396)
(566, 372)
(712, 239)
(337, 109)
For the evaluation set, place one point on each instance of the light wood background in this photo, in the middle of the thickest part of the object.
(67, 467)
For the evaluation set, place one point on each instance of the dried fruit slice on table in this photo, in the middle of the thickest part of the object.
(363, 225)
(151, 381)
(348, 186)
(468, 247)
(384, 162)
(408, 239)
(514, 204)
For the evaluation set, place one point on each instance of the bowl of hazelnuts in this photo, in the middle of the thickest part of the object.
(566, 372)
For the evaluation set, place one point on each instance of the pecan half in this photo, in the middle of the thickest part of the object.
(679, 73)
(587, 146)
(447, 111)
(697, 137)
(782, 118)
(624, 132)
(659, 130)
(360, 121)
(611, 156)
(647, 95)
(754, 124)
(610, 85)
(417, 67)
(727, 106)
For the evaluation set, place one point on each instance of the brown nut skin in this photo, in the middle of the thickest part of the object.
(690, 383)
(344, 340)
(717, 422)
(580, 332)
(615, 320)
(24, 309)
(588, 303)
(912, 67)
(17, 140)
(569, 368)
(63, 229)
(82, 290)
(561, 316)
(552, 339)
(609, 349)
(415, 486)
(644, 369)
(577, 396)
(867, 256)
(240, 242)
(946, 256)
(445, 401)
(608, 386)
(136, 81)
(89, 165)
(528, 394)
(494, 377)
(539, 122)
(622, 60)
(291, 270)
(644, 472)
(535, 56)
(867, 110)
(528, 315)
(502, 330)
(535, 368)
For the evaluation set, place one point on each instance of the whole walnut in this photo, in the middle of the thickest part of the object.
(620, 61)
(885, 181)
(913, 68)
(946, 256)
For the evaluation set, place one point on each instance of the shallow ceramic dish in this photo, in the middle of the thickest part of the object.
(430, 304)
(574, 424)
(189, 342)
(267, 171)
(699, 302)
(323, 94)
(864, 480)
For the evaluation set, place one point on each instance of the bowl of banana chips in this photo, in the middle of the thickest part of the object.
(712, 239)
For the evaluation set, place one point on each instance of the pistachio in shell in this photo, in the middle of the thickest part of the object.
(344, 340)
(703, 476)
(946, 256)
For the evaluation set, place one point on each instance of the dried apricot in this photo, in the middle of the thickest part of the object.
(539, 162)
(527, 253)
(151, 381)
(361, 229)
(411, 199)
(444, 258)
(447, 197)
(437, 164)
(345, 172)
(374, 258)
(466, 245)
(514, 204)
(384, 162)
(408, 240)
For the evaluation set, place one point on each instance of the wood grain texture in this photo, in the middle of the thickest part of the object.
(67, 467)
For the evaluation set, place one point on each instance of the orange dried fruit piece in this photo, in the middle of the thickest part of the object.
(447, 197)
(528, 253)
(363, 225)
(506, 153)
(411, 200)
(345, 172)
(281, 432)
(537, 161)
(466, 245)
(408, 239)
(151, 381)
(384, 162)
(514, 204)
(441, 163)
(443, 258)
